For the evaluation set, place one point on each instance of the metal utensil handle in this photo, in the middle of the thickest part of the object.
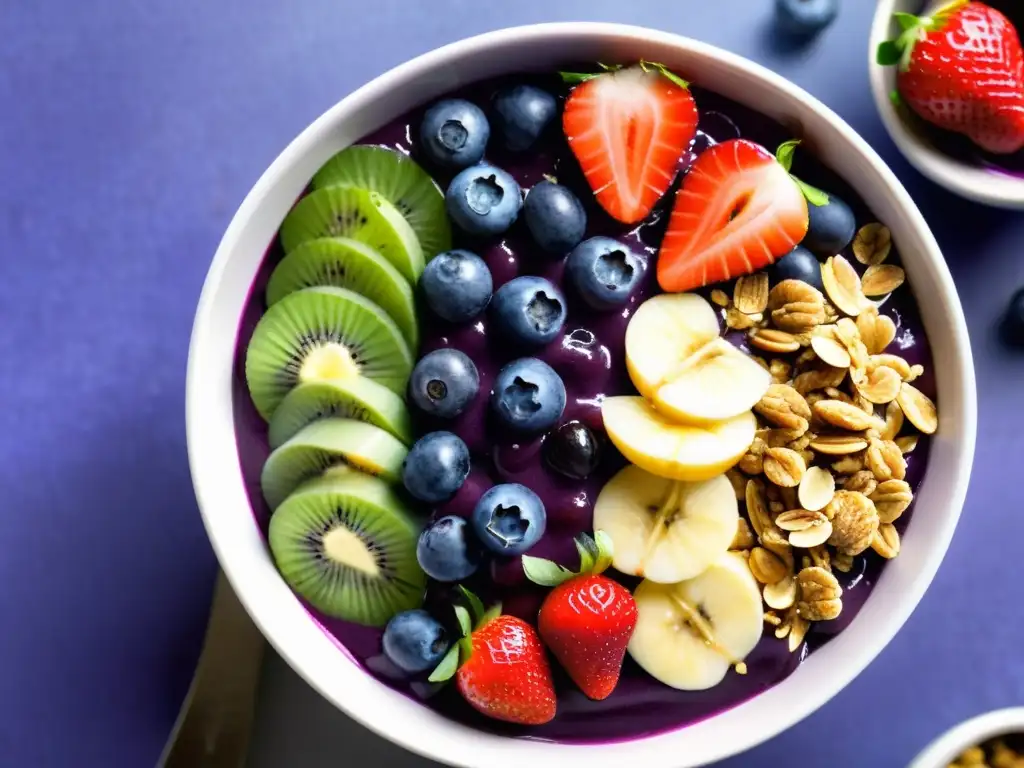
(215, 722)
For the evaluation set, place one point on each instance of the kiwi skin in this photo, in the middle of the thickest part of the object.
(307, 320)
(357, 398)
(379, 579)
(400, 181)
(346, 263)
(325, 447)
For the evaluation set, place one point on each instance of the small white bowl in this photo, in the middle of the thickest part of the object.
(211, 431)
(964, 177)
(947, 747)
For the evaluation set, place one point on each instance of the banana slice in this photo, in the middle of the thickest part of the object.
(688, 634)
(666, 530)
(664, 332)
(677, 451)
(715, 383)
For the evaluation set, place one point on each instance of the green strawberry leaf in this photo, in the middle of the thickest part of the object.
(466, 647)
(476, 606)
(896, 99)
(888, 53)
(545, 572)
(814, 195)
(665, 72)
(906, 20)
(784, 154)
(465, 622)
(492, 613)
(448, 666)
(609, 67)
(575, 78)
(605, 552)
(587, 550)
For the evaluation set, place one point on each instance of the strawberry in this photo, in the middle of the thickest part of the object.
(503, 673)
(738, 210)
(628, 128)
(962, 69)
(587, 619)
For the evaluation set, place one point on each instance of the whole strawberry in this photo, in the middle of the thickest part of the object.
(962, 69)
(503, 673)
(587, 619)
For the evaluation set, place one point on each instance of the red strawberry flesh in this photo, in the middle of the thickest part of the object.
(587, 623)
(507, 677)
(628, 129)
(736, 212)
(965, 73)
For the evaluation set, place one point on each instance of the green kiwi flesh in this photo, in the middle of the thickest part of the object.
(353, 398)
(361, 215)
(401, 181)
(348, 546)
(332, 447)
(319, 334)
(346, 263)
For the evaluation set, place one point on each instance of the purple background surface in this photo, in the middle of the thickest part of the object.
(129, 132)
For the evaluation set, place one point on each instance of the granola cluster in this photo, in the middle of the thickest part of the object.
(825, 477)
(992, 754)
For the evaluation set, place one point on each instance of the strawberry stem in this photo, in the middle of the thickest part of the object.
(595, 557)
(784, 154)
(914, 29)
(469, 619)
(575, 78)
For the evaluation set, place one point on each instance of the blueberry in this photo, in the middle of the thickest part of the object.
(509, 519)
(529, 310)
(436, 467)
(448, 551)
(572, 450)
(483, 200)
(528, 395)
(830, 227)
(1013, 320)
(454, 133)
(521, 114)
(457, 285)
(443, 383)
(805, 17)
(415, 641)
(798, 264)
(555, 217)
(604, 271)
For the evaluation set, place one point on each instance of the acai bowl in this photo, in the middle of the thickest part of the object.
(654, 448)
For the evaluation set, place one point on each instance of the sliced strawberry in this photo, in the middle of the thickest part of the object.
(738, 210)
(628, 129)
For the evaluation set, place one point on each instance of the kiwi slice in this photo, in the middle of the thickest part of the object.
(361, 215)
(347, 263)
(357, 398)
(402, 182)
(348, 546)
(318, 334)
(330, 447)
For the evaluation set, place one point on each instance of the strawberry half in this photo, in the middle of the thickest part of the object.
(962, 69)
(738, 210)
(628, 128)
(503, 673)
(587, 619)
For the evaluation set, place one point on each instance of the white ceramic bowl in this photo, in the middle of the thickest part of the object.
(219, 483)
(941, 752)
(964, 177)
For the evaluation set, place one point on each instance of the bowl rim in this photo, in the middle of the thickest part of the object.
(968, 180)
(271, 604)
(948, 745)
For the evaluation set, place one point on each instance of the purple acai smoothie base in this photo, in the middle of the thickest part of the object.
(589, 357)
